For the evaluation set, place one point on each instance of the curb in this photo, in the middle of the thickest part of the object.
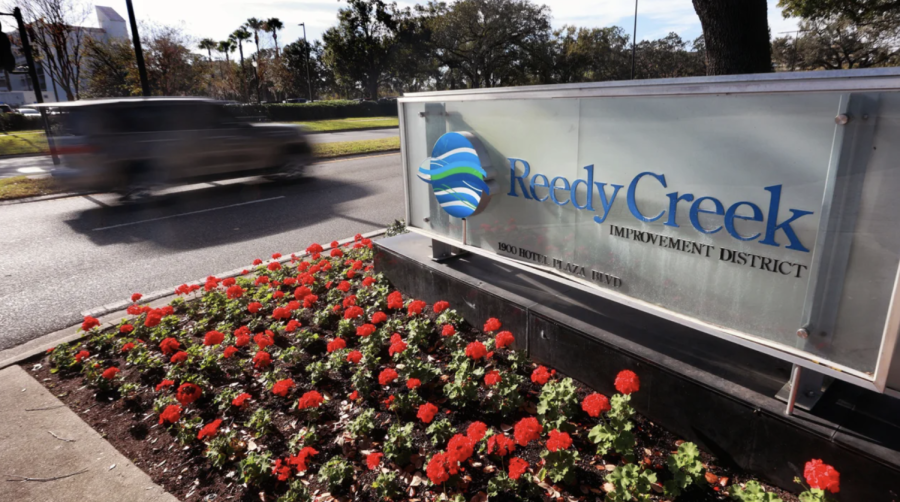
(111, 313)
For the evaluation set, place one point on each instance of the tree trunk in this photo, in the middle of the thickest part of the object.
(737, 36)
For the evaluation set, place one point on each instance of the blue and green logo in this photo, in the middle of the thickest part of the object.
(458, 174)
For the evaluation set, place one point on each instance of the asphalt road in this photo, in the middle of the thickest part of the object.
(61, 257)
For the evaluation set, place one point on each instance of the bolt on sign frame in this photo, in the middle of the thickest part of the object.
(761, 209)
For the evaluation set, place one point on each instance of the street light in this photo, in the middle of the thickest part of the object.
(634, 40)
(308, 83)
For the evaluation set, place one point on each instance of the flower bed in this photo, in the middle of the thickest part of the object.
(314, 379)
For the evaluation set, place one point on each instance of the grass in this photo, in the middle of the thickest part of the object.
(337, 149)
(22, 142)
(349, 124)
(23, 186)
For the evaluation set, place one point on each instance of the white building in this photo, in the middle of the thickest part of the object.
(17, 90)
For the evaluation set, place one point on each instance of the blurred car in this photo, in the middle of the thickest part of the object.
(295, 100)
(6, 109)
(133, 145)
(29, 112)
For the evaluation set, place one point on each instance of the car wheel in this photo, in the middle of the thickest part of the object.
(291, 169)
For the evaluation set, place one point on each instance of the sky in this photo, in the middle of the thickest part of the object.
(217, 18)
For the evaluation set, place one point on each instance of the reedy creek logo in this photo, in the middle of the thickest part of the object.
(459, 170)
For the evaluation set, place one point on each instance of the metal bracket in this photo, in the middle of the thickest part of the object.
(804, 389)
(441, 251)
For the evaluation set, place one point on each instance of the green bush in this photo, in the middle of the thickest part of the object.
(19, 122)
(335, 109)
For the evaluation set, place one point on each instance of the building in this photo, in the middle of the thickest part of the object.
(17, 90)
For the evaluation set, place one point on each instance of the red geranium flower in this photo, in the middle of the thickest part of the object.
(441, 306)
(128, 346)
(135, 297)
(311, 399)
(353, 312)
(336, 344)
(517, 467)
(281, 313)
(282, 387)
(504, 339)
(179, 357)
(240, 400)
(349, 301)
(558, 441)
(527, 430)
(368, 281)
(169, 346)
(164, 384)
(254, 307)
(492, 324)
(438, 469)
(476, 431)
(126, 328)
(281, 471)
(170, 415)
(379, 317)
(234, 292)
(395, 300)
(292, 325)
(263, 340)
(188, 393)
(822, 476)
(492, 378)
(110, 373)
(276, 256)
(229, 351)
(354, 357)
(396, 347)
(89, 323)
(257, 262)
(336, 253)
(241, 340)
(135, 310)
(354, 395)
(460, 448)
(344, 286)
(627, 382)
(301, 293)
(387, 376)
(476, 350)
(373, 460)
(595, 404)
(427, 412)
(262, 359)
(314, 248)
(365, 330)
(274, 266)
(154, 317)
(209, 430)
(448, 330)
(301, 459)
(228, 282)
(540, 375)
(82, 355)
(413, 383)
(501, 445)
(213, 338)
(415, 307)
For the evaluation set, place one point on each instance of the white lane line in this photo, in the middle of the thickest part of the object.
(31, 170)
(186, 214)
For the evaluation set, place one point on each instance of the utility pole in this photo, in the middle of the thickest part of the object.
(138, 52)
(308, 83)
(633, 40)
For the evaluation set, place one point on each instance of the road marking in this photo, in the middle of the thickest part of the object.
(31, 170)
(187, 214)
(355, 158)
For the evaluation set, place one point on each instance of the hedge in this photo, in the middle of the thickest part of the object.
(19, 122)
(336, 109)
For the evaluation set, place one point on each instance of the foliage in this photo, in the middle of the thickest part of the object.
(296, 493)
(685, 467)
(255, 467)
(398, 445)
(557, 402)
(260, 422)
(220, 449)
(630, 483)
(559, 465)
(396, 228)
(385, 485)
(615, 434)
(752, 491)
(337, 472)
(501, 484)
(363, 424)
(440, 431)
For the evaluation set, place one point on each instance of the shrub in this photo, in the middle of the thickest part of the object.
(334, 109)
(337, 472)
(398, 445)
(557, 403)
(630, 483)
(685, 467)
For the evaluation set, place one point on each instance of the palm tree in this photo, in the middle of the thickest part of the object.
(226, 46)
(272, 26)
(208, 45)
(256, 25)
(240, 36)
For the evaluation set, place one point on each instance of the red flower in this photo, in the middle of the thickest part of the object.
(213, 338)
(281, 471)
(314, 249)
(234, 292)
(188, 393)
(595, 404)
(179, 357)
(337, 343)
(126, 328)
(229, 351)
(164, 384)
(274, 266)
(460, 448)
(438, 469)
(517, 467)
(301, 292)
(492, 378)
(336, 253)
(128, 346)
(387, 376)
(110, 373)
(154, 317)
(282, 387)
(335, 244)
(540, 375)
(413, 383)
(504, 339)
(301, 459)
(373, 460)
(368, 281)
(354, 356)
(135, 297)
(396, 347)
(241, 340)
(379, 317)
(476, 431)
(89, 323)
(448, 330)
(262, 359)
(441, 306)
(415, 307)
(311, 399)
(427, 412)
(276, 256)
(527, 430)
(240, 400)
(281, 313)
(171, 414)
(822, 476)
(228, 282)
(82, 355)
(135, 310)
(365, 330)
(169, 346)
(254, 307)
(627, 382)
(501, 445)
(257, 262)
(353, 312)
(476, 350)
(492, 324)
(558, 441)
(209, 430)
(349, 301)
(292, 325)
(395, 300)
(263, 340)
(354, 395)
(344, 286)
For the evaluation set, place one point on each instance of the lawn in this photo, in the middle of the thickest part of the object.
(22, 186)
(22, 142)
(325, 150)
(349, 124)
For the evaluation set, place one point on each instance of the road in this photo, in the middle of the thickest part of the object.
(17, 166)
(65, 256)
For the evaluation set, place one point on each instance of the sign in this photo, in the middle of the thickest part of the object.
(755, 210)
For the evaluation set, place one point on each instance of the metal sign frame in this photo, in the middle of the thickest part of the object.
(849, 152)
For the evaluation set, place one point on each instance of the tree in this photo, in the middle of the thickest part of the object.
(172, 68)
(858, 11)
(111, 69)
(294, 59)
(737, 36)
(208, 45)
(590, 54)
(255, 25)
(226, 47)
(272, 26)
(836, 43)
(240, 36)
(669, 57)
